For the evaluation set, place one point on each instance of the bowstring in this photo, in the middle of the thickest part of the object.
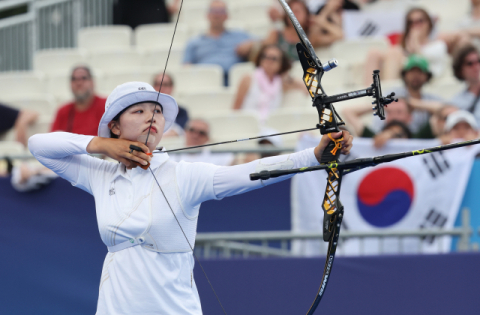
(158, 184)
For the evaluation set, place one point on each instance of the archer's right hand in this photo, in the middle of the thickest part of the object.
(119, 150)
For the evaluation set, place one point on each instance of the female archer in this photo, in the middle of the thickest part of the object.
(149, 227)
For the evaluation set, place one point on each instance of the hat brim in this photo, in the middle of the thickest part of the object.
(170, 108)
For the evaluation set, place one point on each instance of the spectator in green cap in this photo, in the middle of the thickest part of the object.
(415, 74)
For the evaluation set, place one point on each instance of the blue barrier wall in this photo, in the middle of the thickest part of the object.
(52, 258)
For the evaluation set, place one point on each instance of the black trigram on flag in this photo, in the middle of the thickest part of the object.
(434, 219)
(368, 29)
(436, 164)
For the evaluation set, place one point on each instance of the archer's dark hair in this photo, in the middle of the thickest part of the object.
(117, 118)
(286, 64)
(408, 25)
(459, 58)
(403, 126)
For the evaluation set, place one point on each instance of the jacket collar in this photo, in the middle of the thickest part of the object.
(157, 160)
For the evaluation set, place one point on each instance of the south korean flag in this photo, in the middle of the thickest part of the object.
(419, 192)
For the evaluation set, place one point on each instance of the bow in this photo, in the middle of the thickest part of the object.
(329, 121)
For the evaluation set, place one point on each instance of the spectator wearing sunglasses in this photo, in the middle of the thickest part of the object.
(261, 92)
(167, 87)
(418, 38)
(197, 132)
(466, 67)
(83, 114)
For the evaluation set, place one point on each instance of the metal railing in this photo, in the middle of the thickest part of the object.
(48, 24)
(259, 244)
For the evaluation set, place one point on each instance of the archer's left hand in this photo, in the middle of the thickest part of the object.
(346, 143)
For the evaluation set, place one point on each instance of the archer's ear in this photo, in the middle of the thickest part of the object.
(113, 126)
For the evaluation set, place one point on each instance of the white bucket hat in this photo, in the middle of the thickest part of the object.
(459, 116)
(131, 93)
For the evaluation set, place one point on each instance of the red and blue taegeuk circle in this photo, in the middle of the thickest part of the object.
(384, 196)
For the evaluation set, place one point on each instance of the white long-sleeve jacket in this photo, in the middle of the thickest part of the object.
(158, 279)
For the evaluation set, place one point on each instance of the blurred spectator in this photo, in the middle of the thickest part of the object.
(218, 46)
(28, 177)
(417, 39)
(83, 115)
(134, 13)
(401, 111)
(469, 30)
(266, 143)
(261, 92)
(436, 124)
(415, 75)
(327, 23)
(167, 88)
(460, 125)
(287, 37)
(466, 67)
(393, 130)
(17, 119)
(197, 132)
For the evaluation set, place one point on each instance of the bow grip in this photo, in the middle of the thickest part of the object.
(332, 151)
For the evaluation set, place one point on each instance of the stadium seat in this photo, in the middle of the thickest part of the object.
(8, 135)
(159, 36)
(296, 99)
(249, 12)
(259, 29)
(110, 37)
(59, 86)
(193, 14)
(58, 60)
(290, 120)
(11, 148)
(324, 54)
(233, 126)
(201, 27)
(43, 104)
(21, 84)
(156, 58)
(112, 79)
(446, 90)
(120, 60)
(171, 143)
(445, 9)
(199, 78)
(42, 125)
(333, 81)
(204, 104)
(237, 72)
(355, 51)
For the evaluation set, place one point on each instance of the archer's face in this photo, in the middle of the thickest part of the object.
(134, 124)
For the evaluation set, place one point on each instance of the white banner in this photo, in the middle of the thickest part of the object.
(416, 192)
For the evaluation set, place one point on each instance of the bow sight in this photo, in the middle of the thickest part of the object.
(329, 118)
